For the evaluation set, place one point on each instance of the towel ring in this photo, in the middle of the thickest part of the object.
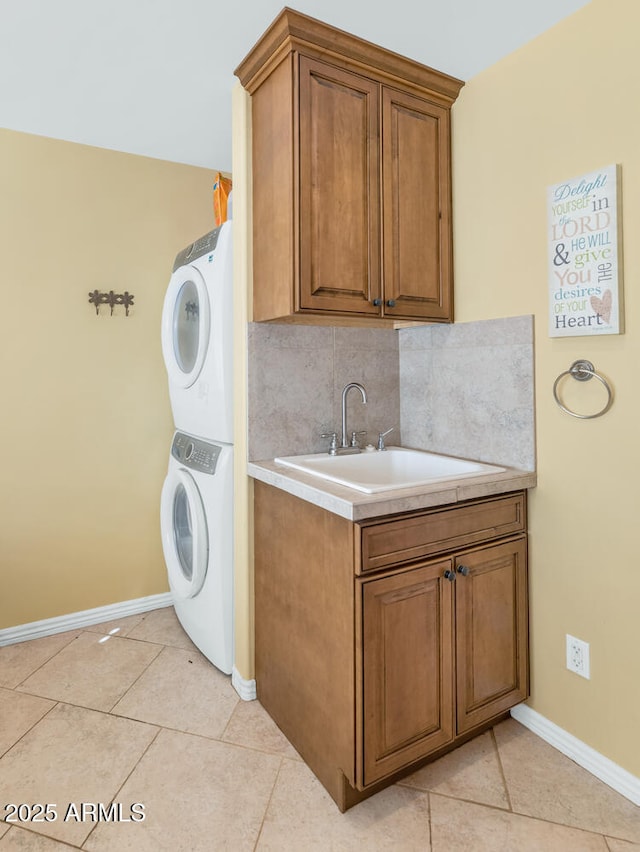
(582, 371)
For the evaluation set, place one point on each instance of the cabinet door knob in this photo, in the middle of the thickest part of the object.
(450, 575)
(377, 302)
(391, 303)
(462, 569)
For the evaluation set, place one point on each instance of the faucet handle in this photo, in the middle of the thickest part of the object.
(382, 436)
(333, 446)
(354, 437)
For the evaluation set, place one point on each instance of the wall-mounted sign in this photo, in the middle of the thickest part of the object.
(585, 277)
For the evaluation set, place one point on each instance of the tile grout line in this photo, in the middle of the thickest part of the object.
(430, 823)
(27, 691)
(33, 833)
(228, 722)
(114, 715)
(44, 662)
(207, 737)
(268, 805)
(502, 772)
(133, 683)
(37, 722)
(540, 819)
(537, 819)
(460, 798)
(129, 774)
(109, 712)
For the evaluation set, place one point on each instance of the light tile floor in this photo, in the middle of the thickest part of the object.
(131, 713)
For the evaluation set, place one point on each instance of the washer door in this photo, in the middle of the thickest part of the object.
(185, 538)
(185, 326)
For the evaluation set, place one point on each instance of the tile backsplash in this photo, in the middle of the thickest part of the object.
(296, 377)
(467, 390)
(462, 389)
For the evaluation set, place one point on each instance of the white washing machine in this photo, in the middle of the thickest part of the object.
(196, 518)
(197, 336)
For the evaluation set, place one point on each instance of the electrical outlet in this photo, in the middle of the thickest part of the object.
(578, 657)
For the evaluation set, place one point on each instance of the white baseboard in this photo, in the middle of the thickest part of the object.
(246, 689)
(76, 620)
(606, 770)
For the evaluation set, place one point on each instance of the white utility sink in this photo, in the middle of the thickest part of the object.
(390, 469)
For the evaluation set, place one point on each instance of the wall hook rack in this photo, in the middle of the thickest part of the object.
(97, 298)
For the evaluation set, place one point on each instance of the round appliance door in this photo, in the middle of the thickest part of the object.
(185, 326)
(185, 538)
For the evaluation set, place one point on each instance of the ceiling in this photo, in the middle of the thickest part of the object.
(154, 77)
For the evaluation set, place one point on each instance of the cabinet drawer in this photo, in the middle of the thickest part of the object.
(409, 538)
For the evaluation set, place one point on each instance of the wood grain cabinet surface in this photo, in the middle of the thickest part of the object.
(351, 178)
(371, 670)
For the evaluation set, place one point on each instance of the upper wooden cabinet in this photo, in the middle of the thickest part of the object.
(351, 178)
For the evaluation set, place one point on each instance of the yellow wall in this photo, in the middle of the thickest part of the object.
(242, 309)
(564, 105)
(85, 421)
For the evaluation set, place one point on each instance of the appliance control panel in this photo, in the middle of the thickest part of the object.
(203, 245)
(194, 453)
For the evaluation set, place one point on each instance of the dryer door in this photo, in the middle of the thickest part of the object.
(185, 538)
(185, 326)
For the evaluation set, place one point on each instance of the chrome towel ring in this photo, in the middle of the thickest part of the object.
(582, 371)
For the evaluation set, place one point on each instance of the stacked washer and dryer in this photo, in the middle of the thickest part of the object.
(197, 497)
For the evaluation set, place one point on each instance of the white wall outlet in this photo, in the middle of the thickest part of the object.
(578, 656)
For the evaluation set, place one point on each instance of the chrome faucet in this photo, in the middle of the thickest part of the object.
(344, 446)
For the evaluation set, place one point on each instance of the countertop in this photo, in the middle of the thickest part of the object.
(358, 506)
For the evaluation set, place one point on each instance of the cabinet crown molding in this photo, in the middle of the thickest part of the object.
(292, 31)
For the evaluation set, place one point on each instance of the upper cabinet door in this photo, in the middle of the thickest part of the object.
(339, 190)
(416, 207)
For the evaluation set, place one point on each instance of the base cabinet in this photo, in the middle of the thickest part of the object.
(381, 644)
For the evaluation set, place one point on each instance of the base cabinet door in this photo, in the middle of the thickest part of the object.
(407, 625)
(491, 632)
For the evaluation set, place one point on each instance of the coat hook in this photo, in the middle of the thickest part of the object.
(97, 298)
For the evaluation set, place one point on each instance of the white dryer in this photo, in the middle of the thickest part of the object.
(196, 518)
(197, 336)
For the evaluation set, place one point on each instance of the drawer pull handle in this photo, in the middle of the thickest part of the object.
(462, 569)
(377, 302)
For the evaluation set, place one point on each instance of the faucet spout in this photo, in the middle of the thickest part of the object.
(345, 391)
